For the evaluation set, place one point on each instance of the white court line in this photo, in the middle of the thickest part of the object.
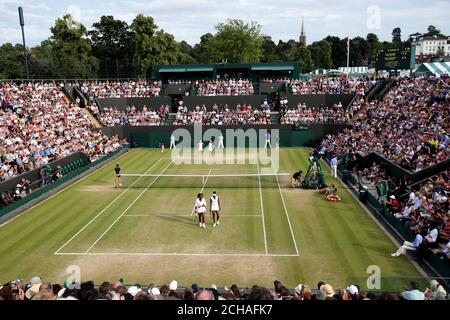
(106, 208)
(215, 169)
(188, 215)
(125, 211)
(262, 212)
(286, 212)
(202, 175)
(170, 254)
(203, 188)
(108, 161)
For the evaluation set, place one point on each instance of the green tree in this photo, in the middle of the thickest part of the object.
(41, 60)
(186, 47)
(187, 53)
(321, 54)
(433, 31)
(144, 29)
(153, 46)
(186, 59)
(286, 49)
(12, 65)
(111, 38)
(71, 51)
(397, 37)
(338, 51)
(440, 53)
(359, 52)
(235, 41)
(302, 55)
(269, 50)
(373, 45)
(200, 51)
(166, 49)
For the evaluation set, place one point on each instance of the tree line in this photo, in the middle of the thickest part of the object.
(115, 49)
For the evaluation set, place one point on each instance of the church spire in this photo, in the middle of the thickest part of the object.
(303, 27)
(302, 38)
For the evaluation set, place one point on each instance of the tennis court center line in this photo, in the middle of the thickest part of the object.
(106, 208)
(203, 187)
(262, 210)
(128, 208)
(174, 254)
(285, 210)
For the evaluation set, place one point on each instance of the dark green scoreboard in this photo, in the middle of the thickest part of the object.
(395, 59)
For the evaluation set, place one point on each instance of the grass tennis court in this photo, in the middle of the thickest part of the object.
(145, 231)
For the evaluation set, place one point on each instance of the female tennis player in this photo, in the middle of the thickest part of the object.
(214, 208)
(200, 209)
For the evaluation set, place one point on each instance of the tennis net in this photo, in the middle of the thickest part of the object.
(209, 180)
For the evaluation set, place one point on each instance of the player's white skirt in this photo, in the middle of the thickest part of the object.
(214, 208)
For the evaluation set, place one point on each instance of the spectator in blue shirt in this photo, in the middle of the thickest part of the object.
(413, 293)
(334, 164)
(412, 246)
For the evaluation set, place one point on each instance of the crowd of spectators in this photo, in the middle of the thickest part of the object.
(340, 85)
(39, 125)
(231, 87)
(410, 126)
(120, 89)
(36, 289)
(279, 80)
(425, 208)
(321, 114)
(223, 115)
(111, 116)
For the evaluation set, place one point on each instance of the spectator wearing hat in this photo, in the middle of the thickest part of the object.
(326, 292)
(134, 290)
(353, 292)
(393, 204)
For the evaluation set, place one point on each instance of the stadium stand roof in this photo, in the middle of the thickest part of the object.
(199, 69)
(179, 69)
(254, 71)
(435, 68)
(272, 67)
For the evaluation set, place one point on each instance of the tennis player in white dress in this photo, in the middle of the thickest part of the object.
(214, 207)
(200, 209)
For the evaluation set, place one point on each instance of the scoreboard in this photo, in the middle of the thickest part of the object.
(395, 59)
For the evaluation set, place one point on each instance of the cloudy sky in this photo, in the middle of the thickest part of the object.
(189, 19)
